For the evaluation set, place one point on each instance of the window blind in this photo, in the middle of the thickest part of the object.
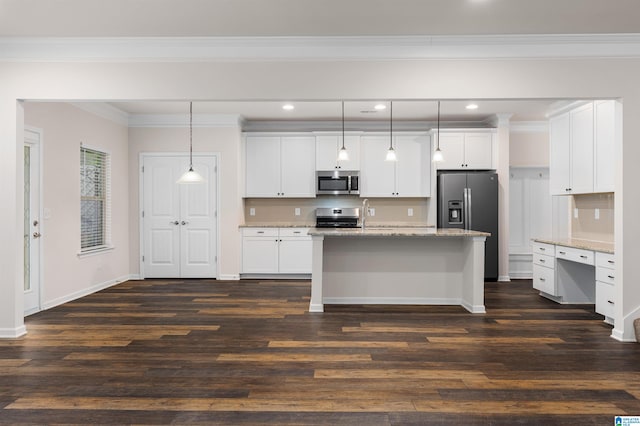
(95, 200)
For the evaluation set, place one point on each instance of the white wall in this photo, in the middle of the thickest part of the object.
(529, 149)
(226, 142)
(66, 276)
(366, 79)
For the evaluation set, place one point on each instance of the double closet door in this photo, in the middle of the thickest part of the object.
(179, 225)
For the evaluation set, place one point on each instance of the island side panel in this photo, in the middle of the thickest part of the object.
(473, 289)
(316, 304)
(393, 270)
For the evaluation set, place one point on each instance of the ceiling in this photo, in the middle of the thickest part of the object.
(237, 18)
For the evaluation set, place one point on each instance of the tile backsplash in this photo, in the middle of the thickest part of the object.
(283, 210)
(588, 207)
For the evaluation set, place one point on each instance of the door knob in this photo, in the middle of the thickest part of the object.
(175, 222)
(184, 223)
(37, 234)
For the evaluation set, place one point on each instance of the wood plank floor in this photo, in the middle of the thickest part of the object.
(215, 352)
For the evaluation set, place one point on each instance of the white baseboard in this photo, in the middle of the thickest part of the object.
(504, 278)
(521, 265)
(135, 277)
(276, 276)
(314, 307)
(84, 292)
(627, 334)
(390, 301)
(474, 309)
(521, 275)
(12, 333)
(230, 277)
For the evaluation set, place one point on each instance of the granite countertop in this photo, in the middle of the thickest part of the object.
(313, 225)
(375, 231)
(580, 244)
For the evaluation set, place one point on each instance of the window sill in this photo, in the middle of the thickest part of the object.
(95, 252)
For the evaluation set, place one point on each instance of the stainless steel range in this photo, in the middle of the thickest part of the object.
(337, 217)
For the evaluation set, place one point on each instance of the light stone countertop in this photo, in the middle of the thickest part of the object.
(580, 244)
(313, 225)
(375, 231)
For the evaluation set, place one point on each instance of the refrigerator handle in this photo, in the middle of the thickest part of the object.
(466, 194)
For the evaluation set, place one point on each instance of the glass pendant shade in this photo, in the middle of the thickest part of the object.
(191, 176)
(437, 156)
(343, 154)
(391, 155)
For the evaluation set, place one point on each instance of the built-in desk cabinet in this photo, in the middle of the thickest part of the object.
(276, 251)
(575, 275)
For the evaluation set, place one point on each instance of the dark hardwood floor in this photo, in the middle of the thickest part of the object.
(215, 352)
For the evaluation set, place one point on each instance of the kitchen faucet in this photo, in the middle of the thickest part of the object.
(365, 210)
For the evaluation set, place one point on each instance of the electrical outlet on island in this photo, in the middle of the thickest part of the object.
(252, 211)
(409, 212)
(297, 211)
(372, 211)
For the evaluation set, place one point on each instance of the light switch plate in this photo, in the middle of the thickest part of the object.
(252, 211)
(297, 211)
(409, 212)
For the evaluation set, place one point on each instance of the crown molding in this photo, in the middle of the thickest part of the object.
(182, 120)
(528, 127)
(105, 111)
(182, 49)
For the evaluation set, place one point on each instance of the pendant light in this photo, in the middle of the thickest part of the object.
(343, 154)
(391, 153)
(191, 176)
(437, 155)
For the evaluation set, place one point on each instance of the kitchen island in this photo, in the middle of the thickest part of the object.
(417, 266)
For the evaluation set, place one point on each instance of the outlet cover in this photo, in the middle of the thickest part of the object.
(297, 211)
(596, 214)
(575, 213)
(409, 212)
(252, 211)
(372, 211)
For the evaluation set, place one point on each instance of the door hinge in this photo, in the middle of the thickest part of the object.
(142, 169)
(142, 213)
(215, 213)
(215, 169)
(143, 257)
(215, 258)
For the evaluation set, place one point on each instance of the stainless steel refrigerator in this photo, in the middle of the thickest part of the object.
(469, 200)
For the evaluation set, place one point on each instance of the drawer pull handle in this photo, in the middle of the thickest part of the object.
(611, 261)
(542, 279)
(563, 252)
(542, 260)
(583, 256)
(260, 232)
(611, 302)
(296, 232)
(542, 249)
(610, 276)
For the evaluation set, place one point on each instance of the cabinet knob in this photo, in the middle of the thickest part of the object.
(583, 256)
(542, 279)
(562, 252)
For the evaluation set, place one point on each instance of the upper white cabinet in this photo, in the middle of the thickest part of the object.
(410, 176)
(581, 148)
(607, 134)
(327, 147)
(466, 150)
(280, 166)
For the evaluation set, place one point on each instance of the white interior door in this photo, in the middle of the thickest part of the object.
(179, 221)
(32, 225)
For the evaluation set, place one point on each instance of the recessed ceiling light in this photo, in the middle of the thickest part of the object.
(380, 107)
(287, 107)
(472, 106)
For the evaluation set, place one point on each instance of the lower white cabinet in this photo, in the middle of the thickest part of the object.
(605, 286)
(544, 268)
(276, 251)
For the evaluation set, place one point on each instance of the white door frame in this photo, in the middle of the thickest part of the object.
(36, 144)
(141, 158)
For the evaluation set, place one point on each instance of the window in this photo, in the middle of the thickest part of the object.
(95, 192)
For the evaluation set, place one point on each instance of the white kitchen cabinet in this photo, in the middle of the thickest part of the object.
(276, 251)
(605, 286)
(466, 151)
(571, 152)
(280, 166)
(409, 176)
(607, 133)
(327, 148)
(544, 268)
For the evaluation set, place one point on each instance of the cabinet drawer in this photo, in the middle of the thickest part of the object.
(294, 232)
(260, 232)
(605, 275)
(575, 255)
(544, 279)
(543, 248)
(605, 299)
(544, 260)
(606, 260)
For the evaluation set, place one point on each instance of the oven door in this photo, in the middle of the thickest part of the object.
(334, 185)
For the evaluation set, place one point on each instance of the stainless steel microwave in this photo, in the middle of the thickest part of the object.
(337, 182)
